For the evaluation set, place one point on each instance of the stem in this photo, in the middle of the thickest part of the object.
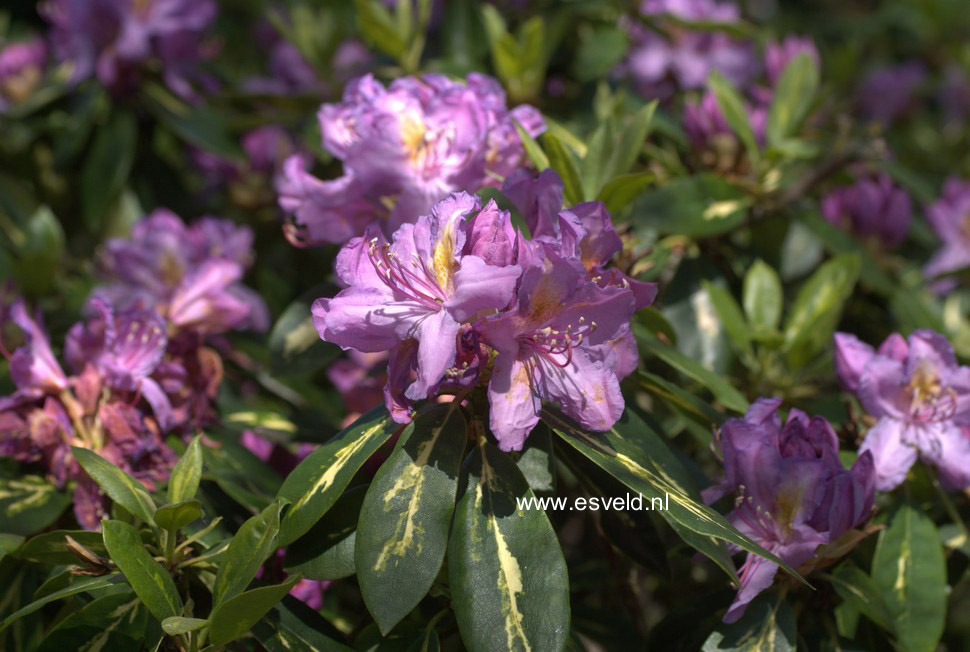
(170, 545)
(201, 533)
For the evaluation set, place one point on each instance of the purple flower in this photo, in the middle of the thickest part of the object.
(682, 57)
(950, 218)
(125, 348)
(21, 70)
(460, 292)
(403, 149)
(422, 286)
(887, 92)
(544, 345)
(188, 274)
(98, 408)
(33, 367)
(792, 492)
(778, 54)
(873, 208)
(921, 398)
(116, 40)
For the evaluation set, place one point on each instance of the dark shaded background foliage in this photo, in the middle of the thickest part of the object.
(100, 162)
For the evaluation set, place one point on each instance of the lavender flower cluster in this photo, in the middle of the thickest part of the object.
(460, 299)
(145, 364)
(403, 149)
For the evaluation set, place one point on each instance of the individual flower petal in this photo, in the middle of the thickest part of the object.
(892, 452)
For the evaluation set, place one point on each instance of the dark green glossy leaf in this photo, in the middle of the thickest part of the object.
(815, 313)
(292, 625)
(699, 206)
(248, 549)
(39, 255)
(326, 552)
(294, 342)
(766, 626)
(730, 397)
(532, 149)
(600, 49)
(120, 487)
(402, 534)
(378, 28)
(762, 296)
(858, 590)
(729, 312)
(561, 160)
(50, 548)
(620, 191)
(638, 457)
(735, 111)
(29, 503)
(509, 585)
(177, 516)
(106, 167)
(909, 572)
(151, 582)
(793, 97)
(116, 621)
(536, 460)
(319, 480)
(184, 481)
(630, 139)
(79, 585)
(236, 616)
(198, 125)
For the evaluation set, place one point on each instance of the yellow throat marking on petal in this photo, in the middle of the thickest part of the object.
(444, 256)
(924, 386)
(413, 133)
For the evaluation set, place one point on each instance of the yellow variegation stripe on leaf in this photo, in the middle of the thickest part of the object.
(402, 532)
(644, 463)
(319, 479)
(508, 577)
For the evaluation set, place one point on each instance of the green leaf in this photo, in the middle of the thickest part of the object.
(248, 549)
(318, 481)
(767, 625)
(532, 149)
(177, 516)
(536, 460)
(729, 312)
(294, 343)
(836, 241)
(78, 586)
(402, 534)
(9, 543)
(292, 625)
(564, 163)
(817, 308)
(600, 49)
(40, 254)
(326, 552)
(197, 125)
(762, 297)
(620, 192)
(793, 97)
(735, 112)
(909, 571)
(184, 482)
(107, 166)
(722, 390)
(626, 150)
(236, 616)
(30, 503)
(120, 487)
(858, 590)
(378, 28)
(151, 582)
(680, 399)
(116, 621)
(50, 548)
(699, 206)
(638, 457)
(177, 625)
(509, 584)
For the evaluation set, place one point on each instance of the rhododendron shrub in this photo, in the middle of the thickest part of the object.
(484, 325)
